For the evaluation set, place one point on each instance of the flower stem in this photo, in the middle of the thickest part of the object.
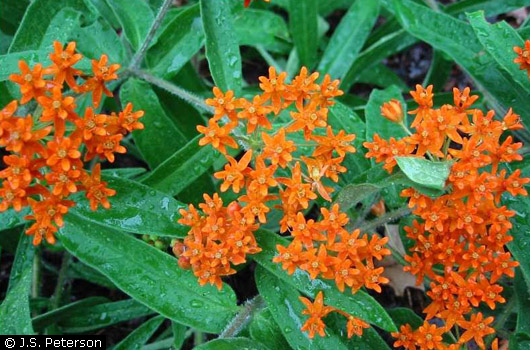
(171, 88)
(393, 215)
(243, 317)
(56, 298)
(140, 54)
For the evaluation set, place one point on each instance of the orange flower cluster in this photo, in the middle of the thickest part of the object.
(523, 56)
(271, 170)
(46, 164)
(317, 311)
(464, 230)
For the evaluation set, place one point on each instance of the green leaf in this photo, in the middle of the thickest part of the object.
(349, 37)
(360, 304)
(382, 76)
(98, 316)
(148, 275)
(439, 71)
(11, 15)
(159, 129)
(521, 286)
(127, 173)
(135, 208)
(222, 48)
(181, 39)
(499, 39)
(39, 16)
(232, 344)
(282, 300)
(15, 318)
(97, 39)
(55, 316)
(375, 122)
(79, 270)
(140, 335)
(135, 17)
(9, 62)
(182, 168)
(425, 172)
(263, 28)
(10, 218)
(179, 334)
(458, 40)
(264, 329)
(520, 232)
(304, 29)
(351, 194)
(403, 316)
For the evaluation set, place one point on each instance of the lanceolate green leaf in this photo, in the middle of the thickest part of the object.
(136, 208)
(148, 275)
(38, 17)
(499, 39)
(375, 122)
(15, 318)
(10, 218)
(359, 304)
(457, 39)
(160, 138)
(135, 17)
(103, 315)
(304, 29)
(182, 168)
(140, 335)
(286, 308)
(265, 330)
(232, 344)
(182, 38)
(425, 172)
(54, 316)
(222, 47)
(264, 28)
(522, 288)
(97, 39)
(348, 38)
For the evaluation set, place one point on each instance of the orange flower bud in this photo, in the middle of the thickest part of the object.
(392, 111)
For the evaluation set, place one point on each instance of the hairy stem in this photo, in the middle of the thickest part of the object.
(173, 89)
(393, 215)
(140, 54)
(243, 317)
(56, 298)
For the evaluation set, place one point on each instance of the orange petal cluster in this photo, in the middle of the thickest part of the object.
(464, 230)
(317, 311)
(523, 56)
(46, 164)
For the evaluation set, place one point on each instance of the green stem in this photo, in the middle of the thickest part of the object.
(388, 217)
(501, 320)
(433, 5)
(56, 298)
(198, 338)
(175, 90)
(268, 58)
(243, 317)
(139, 56)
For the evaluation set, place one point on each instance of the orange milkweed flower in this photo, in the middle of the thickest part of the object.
(316, 311)
(96, 190)
(340, 143)
(308, 118)
(217, 136)
(32, 85)
(523, 56)
(393, 111)
(63, 153)
(12, 197)
(128, 120)
(18, 172)
(274, 89)
(277, 148)
(355, 326)
(429, 336)
(103, 73)
(234, 173)
(63, 60)
(57, 109)
(476, 328)
(256, 114)
(223, 103)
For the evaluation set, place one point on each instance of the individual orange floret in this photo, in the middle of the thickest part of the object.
(19, 136)
(12, 197)
(328, 90)
(57, 109)
(63, 60)
(424, 99)
(262, 177)
(32, 85)
(63, 153)
(255, 113)
(476, 328)
(304, 85)
(308, 118)
(355, 326)
(216, 135)
(18, 172)
(234, 173)
(274, 89)
(523, 56)
(128, 120)
(224, 104)
(96, 190)
(277, 148)
(393, 111)
(340, 143)
(103, 73)
(316, 311)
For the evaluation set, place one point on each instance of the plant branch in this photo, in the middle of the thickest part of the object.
(56, 298)
(243, 317)
(173, 89)
(140, 54)
(393, 215)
